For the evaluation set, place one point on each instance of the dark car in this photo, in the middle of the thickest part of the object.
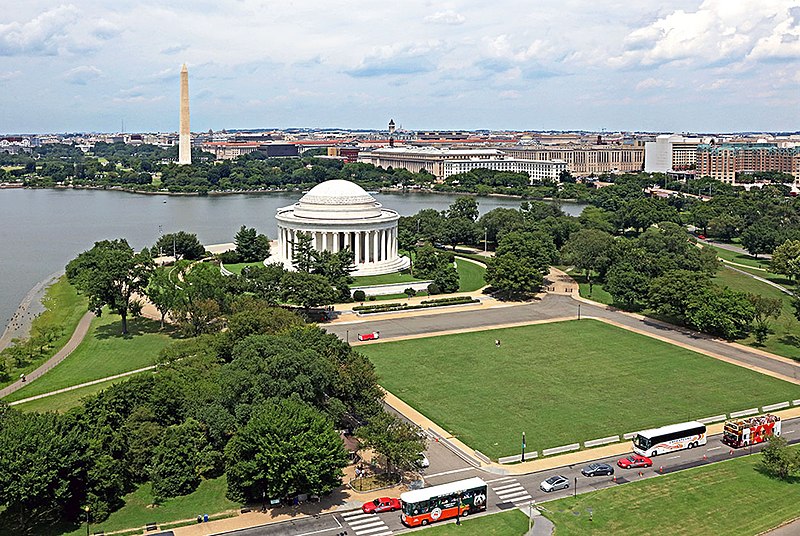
(554, 483)
(384, 504)
(634, 460)
(597, 469)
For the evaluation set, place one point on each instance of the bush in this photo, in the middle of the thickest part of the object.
(433, 288)
(229, 257)
(371, 298)
(410, 292)
(359, 295)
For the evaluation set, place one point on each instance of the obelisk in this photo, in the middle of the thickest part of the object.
(185, 139)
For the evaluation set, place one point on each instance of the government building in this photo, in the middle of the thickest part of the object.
(340, 214)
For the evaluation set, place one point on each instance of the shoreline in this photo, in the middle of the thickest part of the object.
(31, 306)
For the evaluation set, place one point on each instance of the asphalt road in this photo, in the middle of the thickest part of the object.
(552, 306)
(508, 492)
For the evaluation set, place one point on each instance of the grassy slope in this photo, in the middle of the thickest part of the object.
(470, 276)
(513, 523)
(740, 258)
(238, 267)
(598, 293)
(104, 352)
(593, 379)
(385, 279)
(64, 401)
(64, 308)
(731, 497)
(785, 339)
(209, 498)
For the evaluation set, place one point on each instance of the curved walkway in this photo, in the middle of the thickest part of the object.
(77, 337)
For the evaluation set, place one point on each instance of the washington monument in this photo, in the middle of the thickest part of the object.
(185, 140)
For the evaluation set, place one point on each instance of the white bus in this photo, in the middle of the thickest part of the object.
(427, 505)
(687, 435)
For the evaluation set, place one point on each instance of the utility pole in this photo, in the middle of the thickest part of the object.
(485, 238)
(523, 447)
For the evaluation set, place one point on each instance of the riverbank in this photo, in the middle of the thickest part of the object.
(31, 306)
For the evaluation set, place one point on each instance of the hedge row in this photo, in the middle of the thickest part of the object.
(386, 307)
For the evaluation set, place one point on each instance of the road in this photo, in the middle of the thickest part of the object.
(508, 492)
(556, 306)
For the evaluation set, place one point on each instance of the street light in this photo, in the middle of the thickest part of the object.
(579, 311)
(458, 510)
(348, 336)
(485, 238)
(575, 489)
(523, 447)
(87, 519)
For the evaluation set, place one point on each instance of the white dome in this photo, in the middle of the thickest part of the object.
(337, 200)
(337, 192)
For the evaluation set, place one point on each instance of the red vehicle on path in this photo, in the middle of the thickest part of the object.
(373, 336)
(635, 460)
(384, 504)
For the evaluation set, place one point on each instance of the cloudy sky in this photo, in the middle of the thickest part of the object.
(702, 66)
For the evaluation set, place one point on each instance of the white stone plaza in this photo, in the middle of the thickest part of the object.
(340, 214)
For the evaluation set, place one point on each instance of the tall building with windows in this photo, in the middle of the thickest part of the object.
(670, 153)
(586, 160)
(724, 161)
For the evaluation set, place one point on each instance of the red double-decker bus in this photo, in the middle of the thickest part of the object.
(427, 505)
(751, 431)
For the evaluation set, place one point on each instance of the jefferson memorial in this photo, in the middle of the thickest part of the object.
(340, 214)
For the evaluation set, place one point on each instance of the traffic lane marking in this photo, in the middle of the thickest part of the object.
(713, 448)
(452, 472)
(498, 489)
(673, 457)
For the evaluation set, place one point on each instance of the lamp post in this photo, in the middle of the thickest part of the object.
(87, 519)
(523, 447)
(579, 311)
(575, 488)
(485, 238)
(458, 509)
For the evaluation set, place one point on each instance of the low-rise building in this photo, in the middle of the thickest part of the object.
(586, 159)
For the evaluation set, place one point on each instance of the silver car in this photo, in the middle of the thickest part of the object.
(554, 483)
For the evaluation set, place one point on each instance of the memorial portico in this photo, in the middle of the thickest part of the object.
(340, 214)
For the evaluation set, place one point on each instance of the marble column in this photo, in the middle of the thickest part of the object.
(358, 247)
(325, 241)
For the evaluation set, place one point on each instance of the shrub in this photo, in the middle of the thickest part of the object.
(433, 288)
(229, 257)
(371, 298)
(410, 292)
(359, 295)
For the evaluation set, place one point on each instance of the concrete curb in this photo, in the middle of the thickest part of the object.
(715, 418)
(773, 407)
(561, 450)
(743, 413)
(601, 441)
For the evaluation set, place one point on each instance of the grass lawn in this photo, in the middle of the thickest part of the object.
(731, 497)
(64, 308)
(65, 401)
(208, 498)
(597, 294)
(239, 266)
(385, 279)
(470, 275)
(785, 337)
(104, 352)
(740, 258)
(562, 383)
(513, 523)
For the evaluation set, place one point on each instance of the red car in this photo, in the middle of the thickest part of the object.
(634, 460)
(384, 504)
(369, 336)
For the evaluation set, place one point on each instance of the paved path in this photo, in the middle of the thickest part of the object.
(72, 343)
(790, 529)
(732, 247)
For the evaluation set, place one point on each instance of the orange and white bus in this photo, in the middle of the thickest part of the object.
(751, 430)
(423, 506)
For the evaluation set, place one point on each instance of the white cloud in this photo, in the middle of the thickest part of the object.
(654, 83)
(446, 17)
(82, 75)
(8, 75)
(41, 35)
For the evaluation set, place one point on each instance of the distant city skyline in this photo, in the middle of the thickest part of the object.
(695, 66)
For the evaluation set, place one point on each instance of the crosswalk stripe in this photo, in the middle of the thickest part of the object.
(523, 498)
(387, 533)
(367, 531)
(352, 513)
(500, 488)
(504, 479)
(360, 516)
(515, 493)
(363, 523)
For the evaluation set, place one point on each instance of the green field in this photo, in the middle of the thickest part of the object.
(209, 498)
(64, 308)
(104, 352)
(740, 258)
(64, 401)
(562, 383)
(238, 267)
(598, 293)
(470, 275)
(732, 497)
(384, 279)
(513, 523)
(785, 337)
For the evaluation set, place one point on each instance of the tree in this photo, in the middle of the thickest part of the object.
(336, 268)
(672, 293)
(307, 290)
(778, 459)
(265, 281)
(765, 308)
(202, 300)
(426, 261)
(723, 312)
(182, 244)
(458, 231)
(163, 293)
(597, 218)
(464, 207)
(512, 275)
(302, 252)
(397, 441)
(499, 221)
(110, 274)
(589, 250)
(761, 237)
(285, 449)
(627, 284)
(446, 278)
(786, 259)
(178, 460)
(251, 246)
(41, 467)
